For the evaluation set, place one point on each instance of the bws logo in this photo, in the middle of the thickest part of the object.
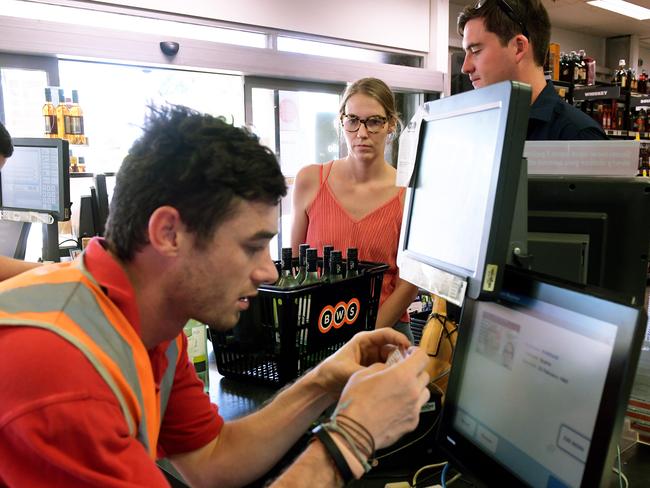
(341, 313)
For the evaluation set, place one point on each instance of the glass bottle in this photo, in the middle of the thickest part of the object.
(287, 279)
(77, 120)
(327, 251)
(312, 267)
(336, 266)
(49, 116)
(302, 262)
(565, 75)
(582, 67)
(621, 75)
(62, 116)
(197, 350)
(352, 262)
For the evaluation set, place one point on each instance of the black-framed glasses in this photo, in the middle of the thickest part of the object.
(509, 11)
(374, 123)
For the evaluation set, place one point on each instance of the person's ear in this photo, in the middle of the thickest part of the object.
(166, 231)
(522, 46)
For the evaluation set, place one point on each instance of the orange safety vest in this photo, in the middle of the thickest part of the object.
(66, 299)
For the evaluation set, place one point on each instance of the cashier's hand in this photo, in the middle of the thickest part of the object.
(364, 349)
(387, 400)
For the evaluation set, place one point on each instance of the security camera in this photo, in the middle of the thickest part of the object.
(169, 48)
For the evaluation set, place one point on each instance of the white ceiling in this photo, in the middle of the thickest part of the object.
(578, 16)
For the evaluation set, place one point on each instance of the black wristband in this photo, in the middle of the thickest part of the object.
(335, 453)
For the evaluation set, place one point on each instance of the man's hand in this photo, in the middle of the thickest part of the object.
(364, 349)
(387, 400)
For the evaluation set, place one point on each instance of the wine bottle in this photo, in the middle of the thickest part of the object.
(77, 120)
(336, 267)
(62, 116)
(325, 271)
(287, 279)
(49, 116)
(312, 267)
(302, 262)
(352, 262)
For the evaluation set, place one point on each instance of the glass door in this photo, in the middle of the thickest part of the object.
(298, 121)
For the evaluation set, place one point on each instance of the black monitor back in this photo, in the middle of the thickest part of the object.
(88, 215)
(608, 217)
(102, 203)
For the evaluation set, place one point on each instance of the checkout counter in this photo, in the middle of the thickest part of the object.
(238, 398)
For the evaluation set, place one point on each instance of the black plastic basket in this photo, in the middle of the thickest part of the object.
(285, 332)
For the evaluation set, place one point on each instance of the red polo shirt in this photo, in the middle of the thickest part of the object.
(60, 424)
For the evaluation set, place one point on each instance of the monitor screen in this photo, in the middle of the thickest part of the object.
(36, 178)
(458, 214)
(539, 383)
(591, 230)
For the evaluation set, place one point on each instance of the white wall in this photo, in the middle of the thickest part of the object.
(574, 41)
(403, 24)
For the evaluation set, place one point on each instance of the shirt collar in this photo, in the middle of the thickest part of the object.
(544, 105)
(110, 275)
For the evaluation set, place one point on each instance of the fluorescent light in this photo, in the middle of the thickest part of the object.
(130, 23)
(624, 8)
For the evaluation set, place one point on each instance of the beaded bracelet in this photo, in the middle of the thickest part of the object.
(334, 452)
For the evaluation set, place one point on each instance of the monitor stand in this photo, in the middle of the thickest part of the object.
(51, 242)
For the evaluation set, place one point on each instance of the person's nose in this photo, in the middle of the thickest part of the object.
(468, 66)
(362, 127)
(266, 272)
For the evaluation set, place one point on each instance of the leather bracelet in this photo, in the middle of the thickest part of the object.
(335, 453)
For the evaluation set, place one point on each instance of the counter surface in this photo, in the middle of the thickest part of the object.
(236, 399)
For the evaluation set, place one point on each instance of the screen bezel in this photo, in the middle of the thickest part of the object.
(616, 390)
(62, 212)
(514, 100)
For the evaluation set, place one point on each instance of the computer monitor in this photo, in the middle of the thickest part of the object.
(539, 385)
(89, 220)
(36, 177)
(458, 215)
(13, 238)
(102, 202)
(591, 230)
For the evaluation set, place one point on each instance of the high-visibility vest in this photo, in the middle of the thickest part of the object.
(66, 299)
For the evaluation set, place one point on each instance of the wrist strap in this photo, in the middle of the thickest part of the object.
(335, 453)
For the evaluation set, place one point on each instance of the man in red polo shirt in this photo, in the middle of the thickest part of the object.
(94, 373)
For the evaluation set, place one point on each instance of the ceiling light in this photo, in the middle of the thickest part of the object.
(131, 23)
(624, 8)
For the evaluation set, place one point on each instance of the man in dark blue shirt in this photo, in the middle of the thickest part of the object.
(508, 40)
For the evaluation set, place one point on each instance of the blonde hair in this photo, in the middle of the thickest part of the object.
(374, 88)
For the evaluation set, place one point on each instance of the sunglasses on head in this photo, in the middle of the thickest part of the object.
(509, 11)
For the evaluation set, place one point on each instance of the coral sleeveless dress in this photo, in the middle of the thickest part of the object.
(376, 235)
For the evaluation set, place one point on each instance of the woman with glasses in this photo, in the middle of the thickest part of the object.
(353, 201)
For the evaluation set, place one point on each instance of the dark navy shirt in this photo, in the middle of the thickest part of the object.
(552, 119)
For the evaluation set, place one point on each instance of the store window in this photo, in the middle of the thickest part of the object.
(298, 121)
(114, 99)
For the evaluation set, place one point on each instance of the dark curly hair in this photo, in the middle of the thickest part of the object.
(6, 147)
(199, 164)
